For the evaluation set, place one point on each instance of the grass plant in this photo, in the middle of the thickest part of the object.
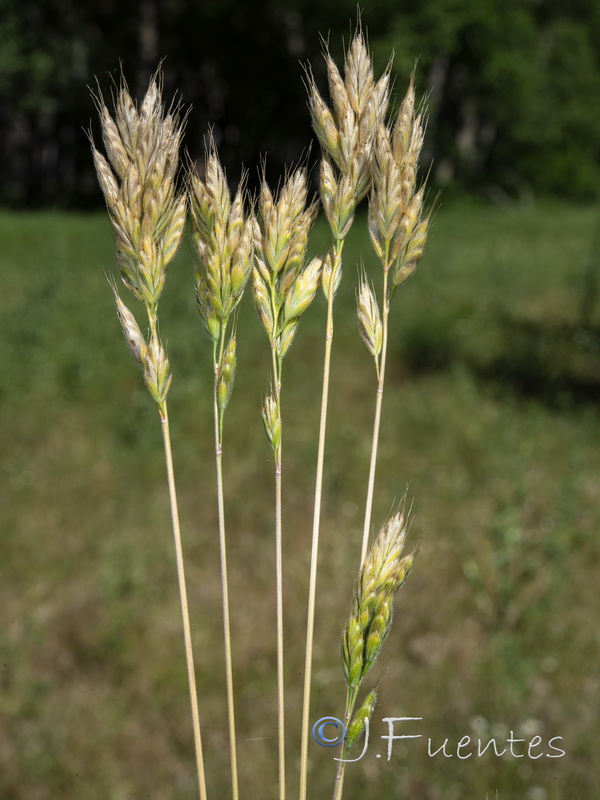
(347, 135)
(148, 215)
(284, 286)
(223, 240)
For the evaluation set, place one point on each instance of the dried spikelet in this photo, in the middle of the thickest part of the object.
(337, 89)
(358, 75)
(324, 124)
(272, 421)
(156, 370)
(303, 290)
(331, 275)
(205, 309)
(369, 318)
(131, 331)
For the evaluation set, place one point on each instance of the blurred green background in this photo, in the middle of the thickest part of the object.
(490, 417)
(511, 85)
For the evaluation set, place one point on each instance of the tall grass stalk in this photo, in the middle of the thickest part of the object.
(314, 555)
(218, 423)
(223, 241)
(189, 653)
(284, 286)
(398, 231)
(346, 135)
(148, 216)
(279, 585)
(382, 573)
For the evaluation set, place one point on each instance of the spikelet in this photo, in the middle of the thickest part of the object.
(156, 371)
(272, 421)
(331, 275)
(358, 721)
(369, 319)
(226, 375)
(131, 330)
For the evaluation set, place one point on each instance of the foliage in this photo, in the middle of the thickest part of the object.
(511, 86)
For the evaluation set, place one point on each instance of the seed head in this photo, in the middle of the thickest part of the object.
(283, 285)
(382, 574)
(347, 133)
(138, 182)
(223, 237)
(397, 225)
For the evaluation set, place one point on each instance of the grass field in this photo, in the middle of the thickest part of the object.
(491, 420)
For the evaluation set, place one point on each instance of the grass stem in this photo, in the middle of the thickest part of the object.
(189, 656)
(218, 419)
(312, 589)
(279, 586)
(338, 786)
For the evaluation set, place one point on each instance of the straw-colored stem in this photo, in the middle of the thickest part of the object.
(312, 588)
(279, 587)
(338, 786)
(224, 584)
(189, 656)
(377, 421)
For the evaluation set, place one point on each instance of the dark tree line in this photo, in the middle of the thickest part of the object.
(513, 86)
